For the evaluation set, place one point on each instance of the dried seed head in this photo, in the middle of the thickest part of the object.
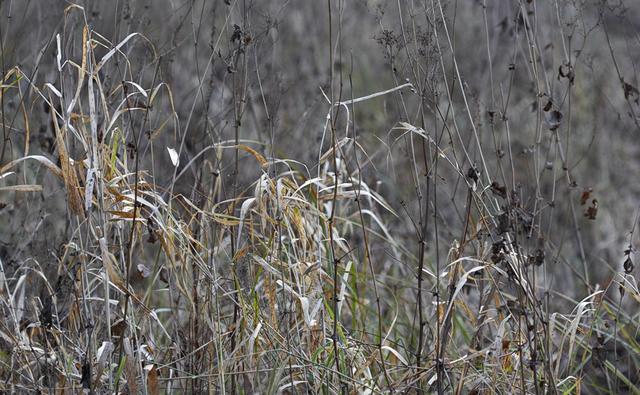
(628, 265)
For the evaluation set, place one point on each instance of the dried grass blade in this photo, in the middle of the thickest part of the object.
(22, 188)
(68, 172)
(42, 159)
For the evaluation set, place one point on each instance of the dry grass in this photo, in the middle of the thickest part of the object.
(177, 275)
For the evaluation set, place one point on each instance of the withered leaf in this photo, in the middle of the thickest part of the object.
(152, 380)
(592, 211)
(584, 197)
(629, 90)
(143, 270)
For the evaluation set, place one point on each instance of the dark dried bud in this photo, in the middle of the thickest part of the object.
(472, 174)
(628, 265)
(499, 190)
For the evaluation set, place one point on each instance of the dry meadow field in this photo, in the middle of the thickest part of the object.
(327, 196)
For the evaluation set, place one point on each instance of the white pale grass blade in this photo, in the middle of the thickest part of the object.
(109, 54)
(54, 90)
(175, 158)
(6, 174)
(88, 196)
(59, 52)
